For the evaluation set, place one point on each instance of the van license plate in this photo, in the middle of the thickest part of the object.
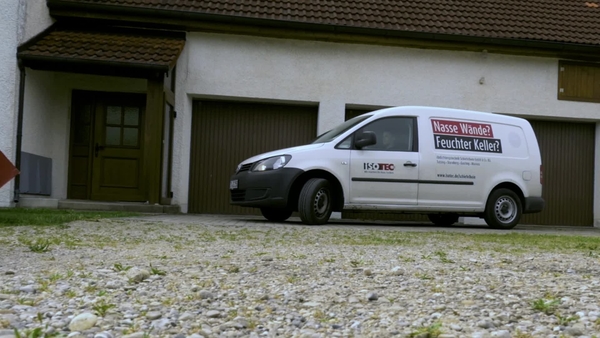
(233, 184)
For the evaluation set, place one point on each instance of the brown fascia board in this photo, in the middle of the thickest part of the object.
(189, 20)
(40, 62)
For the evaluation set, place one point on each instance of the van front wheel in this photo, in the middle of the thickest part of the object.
(503, 209)
(314, 203)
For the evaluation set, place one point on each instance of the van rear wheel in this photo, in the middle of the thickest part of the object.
(443, 220)
(503, 209)
(275, 214)
(315, 202)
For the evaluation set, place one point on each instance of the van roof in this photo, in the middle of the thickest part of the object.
(454, 113)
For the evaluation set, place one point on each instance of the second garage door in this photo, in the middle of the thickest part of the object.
(568, 158)
(226, 133)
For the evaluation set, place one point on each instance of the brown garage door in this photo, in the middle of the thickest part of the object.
(568, 158)
(226, 133)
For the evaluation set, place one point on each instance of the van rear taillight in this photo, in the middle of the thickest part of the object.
(541, 174)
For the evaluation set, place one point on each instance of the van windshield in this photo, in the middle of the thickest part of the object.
(340, 129)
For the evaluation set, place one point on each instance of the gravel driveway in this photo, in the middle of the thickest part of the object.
(172, 276)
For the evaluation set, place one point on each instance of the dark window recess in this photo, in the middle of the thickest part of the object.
(579, 81)
(36, 174)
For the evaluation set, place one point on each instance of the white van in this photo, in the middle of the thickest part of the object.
(441, 162)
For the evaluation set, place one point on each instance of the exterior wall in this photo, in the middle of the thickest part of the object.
(182, 131)
(9, 79)
(36, 18)
(336, 75)
(597, 178)
(46, 117)
(19, 21)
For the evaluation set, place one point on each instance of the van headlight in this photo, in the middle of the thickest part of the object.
(272, 163)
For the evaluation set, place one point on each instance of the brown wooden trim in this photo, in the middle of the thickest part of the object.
(153, 138)
(79, 97)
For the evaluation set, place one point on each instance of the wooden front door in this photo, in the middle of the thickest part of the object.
(106, 147)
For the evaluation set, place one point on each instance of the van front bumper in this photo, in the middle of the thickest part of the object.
(263, 189)
(533, 204)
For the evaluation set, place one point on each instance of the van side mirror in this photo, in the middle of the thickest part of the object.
(366, 138)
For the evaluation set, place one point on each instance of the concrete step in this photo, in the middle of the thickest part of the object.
(119, 206)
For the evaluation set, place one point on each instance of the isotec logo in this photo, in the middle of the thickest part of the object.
(379, 166)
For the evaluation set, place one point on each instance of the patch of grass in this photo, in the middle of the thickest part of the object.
(547, 306)
(55, 276)
(564, 321)
(424, 276)
(491, 242)
(356, 263)
(433, 331)
(35, 216)
(91, 288)
(118, 267)
(519, 334)
(292, 279)
(320, 316)
(156, 271)
(233, 269)
(39, 245)
(101, 307)
(44, 285)
(538, 242)
(34, 333)
(406, 259)
(443, 257)
(26, 301)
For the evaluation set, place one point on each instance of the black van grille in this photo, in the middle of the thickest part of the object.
(238, 195)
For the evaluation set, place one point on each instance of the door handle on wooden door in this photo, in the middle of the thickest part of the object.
(97, 148)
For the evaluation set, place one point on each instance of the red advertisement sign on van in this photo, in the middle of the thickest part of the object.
(462, 128)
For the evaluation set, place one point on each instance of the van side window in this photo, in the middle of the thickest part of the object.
(392, 133)
(345, 144)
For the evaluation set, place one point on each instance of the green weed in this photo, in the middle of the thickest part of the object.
(156, 271)
(432, 331)
(547, 306)
(101, 307)
(39, 245)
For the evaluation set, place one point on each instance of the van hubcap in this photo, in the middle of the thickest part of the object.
(321, 202)
(506, 209)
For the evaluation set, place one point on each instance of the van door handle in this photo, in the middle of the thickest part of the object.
(410, 164)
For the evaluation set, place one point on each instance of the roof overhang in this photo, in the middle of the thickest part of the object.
(169, 18)
(116, 51)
